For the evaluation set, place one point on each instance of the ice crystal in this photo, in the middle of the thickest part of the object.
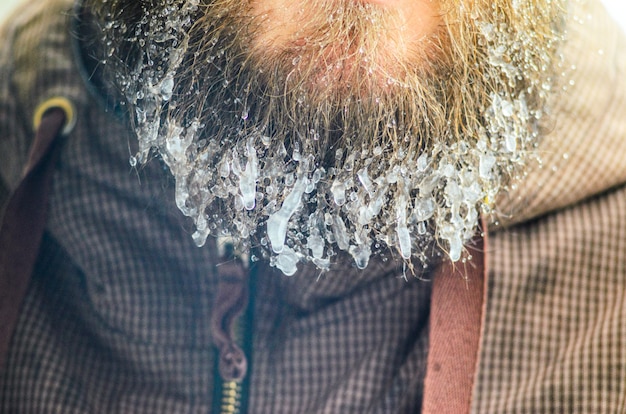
(298, 207)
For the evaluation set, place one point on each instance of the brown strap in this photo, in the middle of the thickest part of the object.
(456, 314)
(24, 222)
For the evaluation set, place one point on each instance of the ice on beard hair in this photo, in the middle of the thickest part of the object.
(309, 162)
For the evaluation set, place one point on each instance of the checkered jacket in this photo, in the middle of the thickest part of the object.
(116, 319)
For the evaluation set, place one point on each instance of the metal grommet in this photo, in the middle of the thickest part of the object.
(57, 102)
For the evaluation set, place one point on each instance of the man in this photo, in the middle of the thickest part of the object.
(299, 228)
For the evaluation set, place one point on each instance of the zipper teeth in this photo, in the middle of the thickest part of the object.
(232, 391)
(231, 397)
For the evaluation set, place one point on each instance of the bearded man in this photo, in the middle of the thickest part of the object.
(283, 206)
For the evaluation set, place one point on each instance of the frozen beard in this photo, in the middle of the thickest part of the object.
(334, 141)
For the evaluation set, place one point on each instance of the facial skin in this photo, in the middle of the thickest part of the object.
(285, 23)
(345, 45)
(418, 18)
(386, 122)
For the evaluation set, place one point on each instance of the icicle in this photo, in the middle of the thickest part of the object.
(402, 231)
(341, 233)
(278, 222)
(456, 246)
(166, 88)
(361, 255)
(338, 189)
(248, 178)
(366, 181)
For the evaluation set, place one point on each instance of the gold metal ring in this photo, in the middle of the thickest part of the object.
(57, 102)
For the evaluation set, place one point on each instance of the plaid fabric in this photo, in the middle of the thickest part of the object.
(116, 319)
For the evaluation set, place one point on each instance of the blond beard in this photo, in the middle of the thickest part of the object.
(335, 144)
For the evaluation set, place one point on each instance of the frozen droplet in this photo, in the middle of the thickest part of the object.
(290, 180)
(361, 255)
(340, 232)
(373, 208)
(249, 176)
(310, 187)
(177, 144)
(456, 246)
(424, 209)
(507, 108)
(315, 243)
(404, 240)
(167, 88)
(422, 163)
(224, 168)
(287, 261)
(366, 181)
(402, 231)
(278, 222)
(338, 189)
(454, 195)
(510, 142)
(297, 156)
(201, 234)
(322, 263)
(317, 175)
(486, 163)
(349, 163)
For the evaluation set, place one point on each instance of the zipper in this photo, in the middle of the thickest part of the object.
(231, 325)
(231, 397)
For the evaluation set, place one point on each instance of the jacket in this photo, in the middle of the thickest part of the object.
(116, 317)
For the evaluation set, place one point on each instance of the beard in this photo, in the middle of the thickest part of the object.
(340, 136)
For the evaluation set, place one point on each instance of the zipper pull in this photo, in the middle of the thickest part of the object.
(231, 299)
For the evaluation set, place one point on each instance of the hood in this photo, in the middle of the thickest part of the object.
(584, 151)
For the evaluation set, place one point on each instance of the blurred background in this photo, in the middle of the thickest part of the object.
(617, 8)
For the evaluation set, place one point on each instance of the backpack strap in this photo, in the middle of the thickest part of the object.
(25, 216)
(456, 324)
